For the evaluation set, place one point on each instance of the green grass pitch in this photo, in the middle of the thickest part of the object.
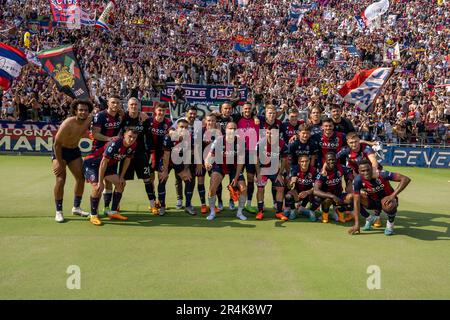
(183, 257)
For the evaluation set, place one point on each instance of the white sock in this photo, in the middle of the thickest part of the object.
(212, 204)
(152, 203)
(390, 225)
(241, 202)
(249, 203)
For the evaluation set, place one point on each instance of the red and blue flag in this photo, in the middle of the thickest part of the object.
(11, 62)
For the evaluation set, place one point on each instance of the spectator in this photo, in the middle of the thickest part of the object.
(155, 42)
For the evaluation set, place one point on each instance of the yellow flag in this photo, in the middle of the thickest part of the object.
(26, 40)
(324, 89)
(439, 2)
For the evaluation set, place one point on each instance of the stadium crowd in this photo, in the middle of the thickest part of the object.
(155, 42)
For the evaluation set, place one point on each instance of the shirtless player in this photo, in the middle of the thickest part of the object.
(66, 153)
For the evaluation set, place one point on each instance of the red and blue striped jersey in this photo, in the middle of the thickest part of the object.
(305, 180)
(226, 155)
(264, 125)
(269, 153)
(288, 130)
(376, 189)
(142, 127)
(334, 143)
(354, 157)
(332, 182)
(109, 126)
(159, 131)
(297, 148)
(114, 151)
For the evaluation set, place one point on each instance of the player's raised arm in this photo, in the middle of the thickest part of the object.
(373, 160)
(403, 183)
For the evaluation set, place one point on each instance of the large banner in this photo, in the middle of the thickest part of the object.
(66, 12)
(60, 63)
(106, 20)
(36, 137)
(205, 97)
(374, 11)
(243, 44)
(12, 60)
(417, 157)
(365, 86)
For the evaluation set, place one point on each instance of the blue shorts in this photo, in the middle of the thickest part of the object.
(231, 172)
(176, 167)
(68, 154)
(250, 168)
(91, 170)
(265, 179)
(193, 168)
(139, 164)
(376, 205)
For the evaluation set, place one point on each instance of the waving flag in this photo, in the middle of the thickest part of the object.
(86, 19)
(243, 3)
(66, 11)
(60, 63)
(375, 10)
(11, 62)
(243, 44)
(106, 19)
(33, 58)
(365, 86)
(360, 22)
(391, 53)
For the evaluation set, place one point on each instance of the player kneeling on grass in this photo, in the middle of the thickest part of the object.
(102, 164)
(328, 188)
(228, 148)
(354, 153)
(378, 195)
(277, 157)
(302, 182)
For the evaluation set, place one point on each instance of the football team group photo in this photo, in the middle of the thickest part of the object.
(224, 149)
